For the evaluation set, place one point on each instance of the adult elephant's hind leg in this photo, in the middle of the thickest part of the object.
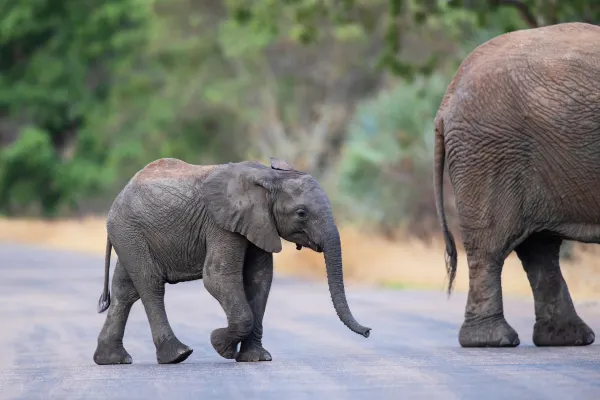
(110, 348)
(485, 325)
(556, 321)
(258, 275)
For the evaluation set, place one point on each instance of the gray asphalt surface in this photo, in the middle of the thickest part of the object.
(49, 326)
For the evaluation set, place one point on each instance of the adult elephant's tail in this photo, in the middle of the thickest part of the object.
(104, 300)
(438, 187)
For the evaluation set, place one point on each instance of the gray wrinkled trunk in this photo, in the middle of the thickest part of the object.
(333, 261)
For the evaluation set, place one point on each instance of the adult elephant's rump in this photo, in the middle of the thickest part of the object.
(519, 128)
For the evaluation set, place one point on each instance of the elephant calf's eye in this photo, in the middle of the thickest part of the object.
(301, 213)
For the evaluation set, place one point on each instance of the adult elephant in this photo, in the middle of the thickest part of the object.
(519, 127)
(176, 222)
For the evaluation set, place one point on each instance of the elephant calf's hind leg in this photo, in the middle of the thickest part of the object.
(169, 350)
(110, 348)
(557, 322)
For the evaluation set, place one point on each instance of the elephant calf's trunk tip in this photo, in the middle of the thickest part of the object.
(363, 331)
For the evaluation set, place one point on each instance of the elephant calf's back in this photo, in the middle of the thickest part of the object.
(172, 168)
(161, 208)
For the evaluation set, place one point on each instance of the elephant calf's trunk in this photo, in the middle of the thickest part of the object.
(333, 261)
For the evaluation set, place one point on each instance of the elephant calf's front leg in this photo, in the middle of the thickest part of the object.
(258, 275)
(223, 279)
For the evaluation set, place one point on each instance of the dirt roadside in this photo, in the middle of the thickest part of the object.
(367, 259)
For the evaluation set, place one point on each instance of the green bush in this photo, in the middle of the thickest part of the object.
(35, 179)
(386, 166)
(30, 173)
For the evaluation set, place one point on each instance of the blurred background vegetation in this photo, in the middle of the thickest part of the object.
(91, 91)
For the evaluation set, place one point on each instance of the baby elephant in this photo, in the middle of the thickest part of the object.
(177, 222)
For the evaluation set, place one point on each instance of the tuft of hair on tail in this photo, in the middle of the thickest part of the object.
(451, 262)
(104, 300)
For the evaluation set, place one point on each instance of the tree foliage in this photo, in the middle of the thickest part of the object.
(90, 91)
(309, 20)
(57, 60)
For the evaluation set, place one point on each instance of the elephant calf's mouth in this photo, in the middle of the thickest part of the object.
(315, 247)
(311, 245)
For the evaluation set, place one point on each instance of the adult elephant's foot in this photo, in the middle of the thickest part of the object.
(222, 343)
(488, 332)
(253, 352)
(563, 332)
(110, 354)
(172, 351)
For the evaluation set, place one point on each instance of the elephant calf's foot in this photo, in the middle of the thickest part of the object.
(222, 343)
(253, 353)
(490, 332)
(107, 354)
(570, 332)
(172, 351)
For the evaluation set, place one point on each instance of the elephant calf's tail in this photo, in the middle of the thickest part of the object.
(104, 300)
(438, 179)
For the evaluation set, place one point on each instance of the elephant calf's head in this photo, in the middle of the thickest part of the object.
(264, 204)
(300, 208)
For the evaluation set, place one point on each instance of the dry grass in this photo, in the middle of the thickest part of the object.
(367, 259)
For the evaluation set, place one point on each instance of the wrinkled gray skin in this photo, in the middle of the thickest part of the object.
(177, 222)
(520, 130)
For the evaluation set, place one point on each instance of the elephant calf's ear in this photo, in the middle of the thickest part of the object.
(281, 165)
(238, 203)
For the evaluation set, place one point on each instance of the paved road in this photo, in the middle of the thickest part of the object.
(48, 330)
